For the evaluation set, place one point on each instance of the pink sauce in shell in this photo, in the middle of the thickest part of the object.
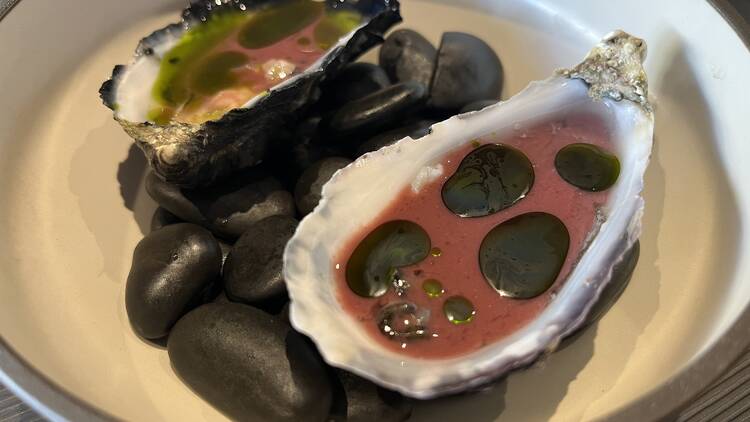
(459, 239)
(252, 77)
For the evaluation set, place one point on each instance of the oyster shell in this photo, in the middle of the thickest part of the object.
(192, 154)
(611, 83)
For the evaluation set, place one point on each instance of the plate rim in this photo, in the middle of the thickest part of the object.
(58, 404)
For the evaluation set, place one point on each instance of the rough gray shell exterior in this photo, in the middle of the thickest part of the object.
(196, 155)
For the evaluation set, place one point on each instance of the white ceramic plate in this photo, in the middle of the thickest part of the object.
(72, 208)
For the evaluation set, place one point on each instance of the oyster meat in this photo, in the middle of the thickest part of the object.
(213, 93)
(533, 200)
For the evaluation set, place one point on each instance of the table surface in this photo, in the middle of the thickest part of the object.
(728, 399)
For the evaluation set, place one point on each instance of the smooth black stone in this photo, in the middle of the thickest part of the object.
(162, 218)
(307, 193)
(307, 132)
(222, 298)
(416, 130)
(284, 313)
(228, 209)
(356, 80)
(310, 144)
(226, 248)
(253, 270)
(379, 110)
(173, 199)
(407, 56)
(174, 269)
(477, 105)
(249, 365)
(359, 400)
(467, 70)
(305, 155)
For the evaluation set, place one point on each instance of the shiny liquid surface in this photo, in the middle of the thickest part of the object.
(459, 239)
(234, 56)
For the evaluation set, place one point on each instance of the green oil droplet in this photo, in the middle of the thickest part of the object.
(272, 25)
(587, 167)
(458, 310)
(476, 144)
(373, 265)
(214, 73)
(335, 25)
(436, 252)
(522, 257)
(304, 41)
(433, 288)
(172, 86)
(489, 179)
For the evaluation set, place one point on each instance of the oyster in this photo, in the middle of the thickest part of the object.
(192, 99)
(610, 84)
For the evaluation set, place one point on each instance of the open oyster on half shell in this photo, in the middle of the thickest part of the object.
(437, 264)
(211, 94)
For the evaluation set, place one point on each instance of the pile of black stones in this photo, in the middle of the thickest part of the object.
(207, 280)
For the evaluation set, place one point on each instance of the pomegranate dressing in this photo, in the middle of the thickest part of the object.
(479, 252)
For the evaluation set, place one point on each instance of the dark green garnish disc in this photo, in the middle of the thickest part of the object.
(587, 167)
(490, 179)
(374, 264)
(433, 288)
(458, 310)
(522, 257)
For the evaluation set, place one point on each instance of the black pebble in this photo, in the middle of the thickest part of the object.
(416, 130)
(249, 365)
(355, 81)
(163, 218)
(222, 298)
(227, 209)
(226, 248)
(477, 105)
(172, 198)
(467, 70)
(379, 110)
(174, 269)
(407, 56)
(308, 130)
(303, 156)
(307, 193)
(253, 270)
(284, 313)
(359, 400)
